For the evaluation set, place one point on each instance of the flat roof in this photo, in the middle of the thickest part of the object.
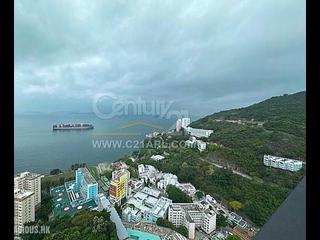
(87, 175)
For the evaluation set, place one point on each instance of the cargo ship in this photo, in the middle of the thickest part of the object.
(72, 126)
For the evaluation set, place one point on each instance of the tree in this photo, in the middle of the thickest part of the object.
(55, 171)
(199, 194)
(176, 195)
(221, 221)
(182, 230)
(235, 205)
(233, 237)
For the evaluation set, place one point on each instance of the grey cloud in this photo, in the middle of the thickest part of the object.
(204, 55)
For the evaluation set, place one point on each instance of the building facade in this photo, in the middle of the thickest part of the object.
(119, 187)
(192, 216)
(85, 184)
(282, 163)
(29, 182)
(199, 132)
(185, 122)
(24, 208)
(146, 206)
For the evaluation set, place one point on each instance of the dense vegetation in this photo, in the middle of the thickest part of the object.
(241, 147)
(165, 223)
(85, 225)
(176, 195)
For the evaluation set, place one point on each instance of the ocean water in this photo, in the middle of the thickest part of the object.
(39, 149)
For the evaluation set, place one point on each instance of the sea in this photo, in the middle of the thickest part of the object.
(37, 148)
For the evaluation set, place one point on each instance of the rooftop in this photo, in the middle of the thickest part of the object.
(87, 175)
(20, 194)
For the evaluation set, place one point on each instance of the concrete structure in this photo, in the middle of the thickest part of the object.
(178, 125)
(201, 145)
(157, 157)
(103, 203)
(29, 182)
(149, 173)
(233, 217)
(198, 132)
(188, 188)
(85, 185)
(282, 163)
(135, 184)
(185, 122)
(24, 208)
(119, 187)
(146, 206)
(192, 216)
(168, 179)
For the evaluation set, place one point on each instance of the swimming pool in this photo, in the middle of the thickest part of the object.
(139, 235)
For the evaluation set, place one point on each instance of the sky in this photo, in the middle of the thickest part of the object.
(204, 56)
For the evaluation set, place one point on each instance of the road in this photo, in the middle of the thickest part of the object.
(233, 171)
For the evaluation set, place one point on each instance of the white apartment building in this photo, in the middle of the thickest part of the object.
(157, 157)
(282, 163)
(192, 216)
(168, 179)
(185, 122)
(149, 173)
(30, 182)
(24, 208)
(178, 125)
(201, 145)
(197, 132)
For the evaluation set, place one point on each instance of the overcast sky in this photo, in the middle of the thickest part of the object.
(205, 56)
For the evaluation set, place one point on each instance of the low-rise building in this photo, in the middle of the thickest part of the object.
(168, 179)
(157, 157)
(282, 163)
(188, 188)
(149, 173)
(192, 216)
(235, 218)
(199, 132)
(146, 206)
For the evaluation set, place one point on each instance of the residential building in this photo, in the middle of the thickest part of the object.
(201, 145)
(24, 208)
(119, 187)
(178, 125)
(282, 163)
(233, 217)
(85, 185)
(149, 173)
(157, 157)
(185, 122)
(199, 132)
(192, 216)
(30, 182)
(168, 179)
(188, 188)
(146, 206)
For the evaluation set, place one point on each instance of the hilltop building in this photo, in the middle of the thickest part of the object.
(199, 132)
(282, 163)
(157, 157)
(178, 125)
